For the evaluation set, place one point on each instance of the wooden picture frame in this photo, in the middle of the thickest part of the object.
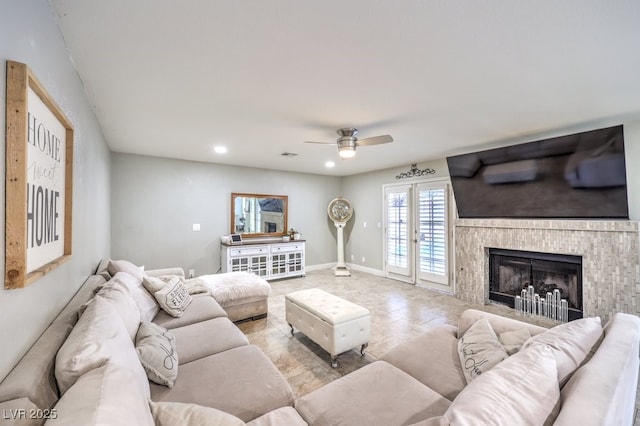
(38, 181)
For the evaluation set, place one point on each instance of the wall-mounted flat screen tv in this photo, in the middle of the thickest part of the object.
(573, 177)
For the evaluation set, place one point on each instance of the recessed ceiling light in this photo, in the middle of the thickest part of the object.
(329, 164)
(220, 149)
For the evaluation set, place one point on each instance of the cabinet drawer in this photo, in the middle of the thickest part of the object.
(285, 248)
(247, 251)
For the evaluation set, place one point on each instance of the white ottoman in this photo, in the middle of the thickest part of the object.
(335, 324)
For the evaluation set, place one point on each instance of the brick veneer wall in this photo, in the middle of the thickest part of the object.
(610, 253)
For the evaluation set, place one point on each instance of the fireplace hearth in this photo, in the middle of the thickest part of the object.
(512, 271)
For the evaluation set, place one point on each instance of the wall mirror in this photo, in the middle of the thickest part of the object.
(258, 215)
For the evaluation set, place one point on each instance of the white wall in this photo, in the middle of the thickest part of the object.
(157, 200)
(29, 34)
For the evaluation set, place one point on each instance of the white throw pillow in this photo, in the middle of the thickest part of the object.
(479, 349)
(173, 298)
(571, 343)
(120, 299)
(146, 303)
(522, 390)
(156, 349)
(178, 413)
(107, 395)
(98, 336)
(513, 340)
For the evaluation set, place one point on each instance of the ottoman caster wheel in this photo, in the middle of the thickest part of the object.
(334, 363)
(363, 348)
(291, 329)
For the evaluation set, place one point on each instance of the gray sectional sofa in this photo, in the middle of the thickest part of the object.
(577, 373)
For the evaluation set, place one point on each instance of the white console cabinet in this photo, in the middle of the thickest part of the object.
(270, 260)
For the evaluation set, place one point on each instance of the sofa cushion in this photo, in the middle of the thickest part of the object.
(603, 391)
(571, 343)
(98, 337)
(183, 414)
(499, 323)
(241, 381)
(33, 378)
(153, 284)
(202, 308)
(107, 395)
(146, 303)
(377, 394)
(522, 390)
(206, 338)
(156, 348)
(120, 299)
(479, 350)
(173, 298)
(432, 358)
(115, 266)
(285, 416)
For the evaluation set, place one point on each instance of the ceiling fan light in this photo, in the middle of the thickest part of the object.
(347, 151)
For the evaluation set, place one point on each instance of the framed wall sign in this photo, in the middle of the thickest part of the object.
(38, 182)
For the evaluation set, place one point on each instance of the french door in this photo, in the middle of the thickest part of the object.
(417, 233)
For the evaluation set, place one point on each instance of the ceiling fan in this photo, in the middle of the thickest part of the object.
(347, 142)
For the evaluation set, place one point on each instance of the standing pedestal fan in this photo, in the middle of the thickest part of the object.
(340, 212)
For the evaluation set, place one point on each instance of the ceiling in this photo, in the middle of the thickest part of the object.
(175, 78)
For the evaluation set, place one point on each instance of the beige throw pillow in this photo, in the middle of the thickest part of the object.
(479, 349)
(156, 349)
(173, 297)
(513, 340)
(522, 390)
(116, 266)
(178, 413)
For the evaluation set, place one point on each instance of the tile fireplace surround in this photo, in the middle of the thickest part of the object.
(610, 253)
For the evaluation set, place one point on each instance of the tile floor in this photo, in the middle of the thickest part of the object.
(399, 312)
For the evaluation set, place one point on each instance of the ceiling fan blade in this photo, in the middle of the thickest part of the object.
(321, 143)
(376, 140)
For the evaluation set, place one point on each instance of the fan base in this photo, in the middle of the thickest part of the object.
(342, 271)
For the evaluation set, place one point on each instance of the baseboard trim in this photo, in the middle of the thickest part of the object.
(323, 266)
(372, 271)
(320, 266)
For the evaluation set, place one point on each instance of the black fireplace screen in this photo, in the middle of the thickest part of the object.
(512, 271)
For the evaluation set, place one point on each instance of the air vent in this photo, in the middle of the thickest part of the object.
(289, 154)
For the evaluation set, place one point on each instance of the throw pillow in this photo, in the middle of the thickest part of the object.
(571, 343)
(513, 340)
(178, 413)
(522, 390)
(156, 349)
(479, 349)
(173, 297)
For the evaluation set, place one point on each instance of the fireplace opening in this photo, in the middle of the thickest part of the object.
(512, 271)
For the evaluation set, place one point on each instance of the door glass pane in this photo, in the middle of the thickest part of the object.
(397, 229)
(432, 231)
